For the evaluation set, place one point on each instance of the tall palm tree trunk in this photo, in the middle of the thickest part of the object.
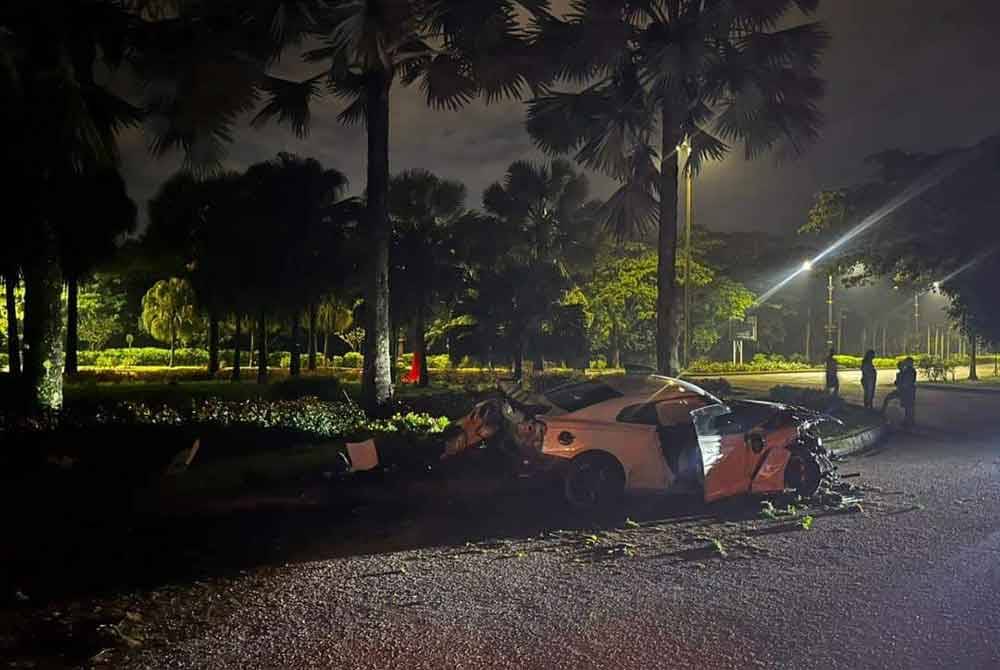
(377, 386)
(72, 325)
(667, 361)
(173, 343)
(312, 336)
(213, 342)
(295, 360)
(420, 345)
(262, 348)
(13, 340)
(973, 357)
(43, 327)
(236, 349)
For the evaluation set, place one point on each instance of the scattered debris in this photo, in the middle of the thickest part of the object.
(806, 522)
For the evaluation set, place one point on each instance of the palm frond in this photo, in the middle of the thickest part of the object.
(447, 83)
(631, 211)
(355, 113)
(288, 101)
(704, 147)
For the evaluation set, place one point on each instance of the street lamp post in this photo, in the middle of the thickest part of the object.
(829, 312)
(685, 149)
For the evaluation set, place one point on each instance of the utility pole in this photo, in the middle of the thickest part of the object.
(689, 204)
(840, 330)
(829, 311)
(809, 324)
(916, 321)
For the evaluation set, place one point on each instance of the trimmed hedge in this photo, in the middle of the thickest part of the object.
(308, 417)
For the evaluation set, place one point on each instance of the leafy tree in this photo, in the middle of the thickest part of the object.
(334, 316)
(101, 303)
(10, 317)
(169, 313)
(457, 50)
(645, 75)
(423, 209)
(920, 221)
(622, 298)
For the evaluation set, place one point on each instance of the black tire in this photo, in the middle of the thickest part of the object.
(803, 475)
(594, 481)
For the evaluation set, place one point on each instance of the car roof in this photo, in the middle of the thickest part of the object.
(602, 398)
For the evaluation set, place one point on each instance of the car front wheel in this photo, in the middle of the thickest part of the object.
(595, 481)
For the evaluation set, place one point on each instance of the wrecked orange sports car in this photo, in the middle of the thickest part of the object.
(647, 433)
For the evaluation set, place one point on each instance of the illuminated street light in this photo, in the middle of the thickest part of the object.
(807, 266)
(937, 286)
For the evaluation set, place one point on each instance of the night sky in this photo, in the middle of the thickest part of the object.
(919, 75)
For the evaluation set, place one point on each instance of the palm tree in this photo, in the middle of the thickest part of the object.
(546, 208)
(169, 313)
(304, 206)
(423, 208)
(457, 50)
(646, 75)
(58, 117)
(82, 248)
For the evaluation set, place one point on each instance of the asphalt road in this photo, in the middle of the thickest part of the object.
(909, 580)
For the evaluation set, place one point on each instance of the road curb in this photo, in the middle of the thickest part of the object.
(860, 441)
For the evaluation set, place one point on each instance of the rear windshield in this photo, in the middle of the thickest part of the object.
(572, 397)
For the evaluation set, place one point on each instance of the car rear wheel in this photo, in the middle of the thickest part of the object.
(594, 481)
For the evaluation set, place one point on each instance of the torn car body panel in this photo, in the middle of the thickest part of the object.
(666, 436)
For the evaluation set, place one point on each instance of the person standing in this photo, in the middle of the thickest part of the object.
(907, 387)
(905, 391)
(832, 380)
(868, 378)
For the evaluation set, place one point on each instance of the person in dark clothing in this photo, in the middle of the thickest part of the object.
(832, 380)
(905, 392)
(868, 378)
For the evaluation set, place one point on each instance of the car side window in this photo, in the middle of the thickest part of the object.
(676, 412)
(664, 414)
(643, 413)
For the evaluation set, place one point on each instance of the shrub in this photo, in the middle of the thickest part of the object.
(438, 362)
(599, 363)
(352, 359)
(4, 361)
(765, 364)
(721, 388)
(309, 417)
(142, 356)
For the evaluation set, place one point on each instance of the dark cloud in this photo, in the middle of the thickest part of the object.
(915, 74)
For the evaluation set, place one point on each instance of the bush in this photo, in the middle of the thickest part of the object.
(4, 361)
(308, 417)
(142, 356)
(352, 359)
(758, 364)
(720, 388)
(599, 363)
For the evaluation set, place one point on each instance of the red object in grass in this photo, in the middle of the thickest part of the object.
(413, 376)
